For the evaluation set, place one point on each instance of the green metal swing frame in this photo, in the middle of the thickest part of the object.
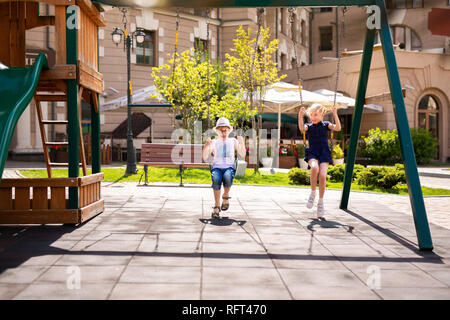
(407, 150)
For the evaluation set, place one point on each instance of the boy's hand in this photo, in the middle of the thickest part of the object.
(208, 142)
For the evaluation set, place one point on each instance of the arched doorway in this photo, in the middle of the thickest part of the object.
(428, 116)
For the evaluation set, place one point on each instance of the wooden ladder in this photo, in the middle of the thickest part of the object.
(45, 143)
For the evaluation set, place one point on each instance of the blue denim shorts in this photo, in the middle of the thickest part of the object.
(219, 176)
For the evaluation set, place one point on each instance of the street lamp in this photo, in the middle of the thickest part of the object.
(139, 34)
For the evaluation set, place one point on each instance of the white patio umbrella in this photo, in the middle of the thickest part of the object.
(138, 96)
(347, 101)
(282, 97)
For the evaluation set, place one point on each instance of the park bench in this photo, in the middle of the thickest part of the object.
(171, 155)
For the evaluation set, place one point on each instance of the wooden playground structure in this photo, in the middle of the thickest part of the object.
(75, 76)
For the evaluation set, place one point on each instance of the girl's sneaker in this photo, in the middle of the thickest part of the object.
(310, 202)
(320, 209)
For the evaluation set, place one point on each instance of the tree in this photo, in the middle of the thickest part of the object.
(252, 69)
(186, 85)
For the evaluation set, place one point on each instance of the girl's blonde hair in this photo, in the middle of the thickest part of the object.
(315, 107)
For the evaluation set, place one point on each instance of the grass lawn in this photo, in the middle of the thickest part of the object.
(193, 175)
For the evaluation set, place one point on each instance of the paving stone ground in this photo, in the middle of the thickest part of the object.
(158, 242)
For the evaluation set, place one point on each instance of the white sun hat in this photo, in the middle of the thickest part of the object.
(223, 122)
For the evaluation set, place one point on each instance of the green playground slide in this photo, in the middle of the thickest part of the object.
(17, 87)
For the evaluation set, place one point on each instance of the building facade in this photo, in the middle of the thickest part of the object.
(422, 57)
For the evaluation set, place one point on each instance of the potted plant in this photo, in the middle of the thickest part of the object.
(266, 158)
(301, 155)
(58, 154)
(337, 154)
(287, 158)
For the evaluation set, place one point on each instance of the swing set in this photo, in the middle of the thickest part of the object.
(75, 74)
(382, 28)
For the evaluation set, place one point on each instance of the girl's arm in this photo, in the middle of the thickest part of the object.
(337, 123)
(300, 120)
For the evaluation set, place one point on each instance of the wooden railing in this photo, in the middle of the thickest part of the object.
(42, 201)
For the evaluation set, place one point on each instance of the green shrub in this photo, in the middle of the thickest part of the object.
(301, 150)
(382, 177)
(337, 152)
(425, 145)
(290, 153)
(382, 147)
(336, 172)
(299, 176)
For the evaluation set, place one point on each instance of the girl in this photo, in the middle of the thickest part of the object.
(318, 155)
(223, 165)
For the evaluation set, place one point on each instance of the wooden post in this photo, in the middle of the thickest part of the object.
(72, 108)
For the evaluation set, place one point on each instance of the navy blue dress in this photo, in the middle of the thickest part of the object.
(318, 142)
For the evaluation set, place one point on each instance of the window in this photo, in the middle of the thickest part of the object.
(428, 116)
(303, 31)
(283, 59)
(406, 38)
(404, 4)
(293, 63)
(202, 12)
(326, 38)
(200, 45)
(145, 52)
(283, 20)
(326, 9)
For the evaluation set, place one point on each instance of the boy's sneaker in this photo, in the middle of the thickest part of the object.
(320, 209)
(310, 202)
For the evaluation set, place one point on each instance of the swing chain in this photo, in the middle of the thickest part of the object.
(291, 20)
(208, 11)
(177, 24)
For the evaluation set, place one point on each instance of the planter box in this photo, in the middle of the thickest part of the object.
(338, 161)
(287, 162)
(59, 156)
(267, 162)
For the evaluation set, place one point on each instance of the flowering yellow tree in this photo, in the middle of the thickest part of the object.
(187, 85)
(252, 69)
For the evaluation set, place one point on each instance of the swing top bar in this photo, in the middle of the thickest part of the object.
(235, 3)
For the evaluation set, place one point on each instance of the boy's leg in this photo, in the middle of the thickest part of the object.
(228, 177)
(216, 177)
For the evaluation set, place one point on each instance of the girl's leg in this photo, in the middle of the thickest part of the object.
(323, 168)
(314, 164)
